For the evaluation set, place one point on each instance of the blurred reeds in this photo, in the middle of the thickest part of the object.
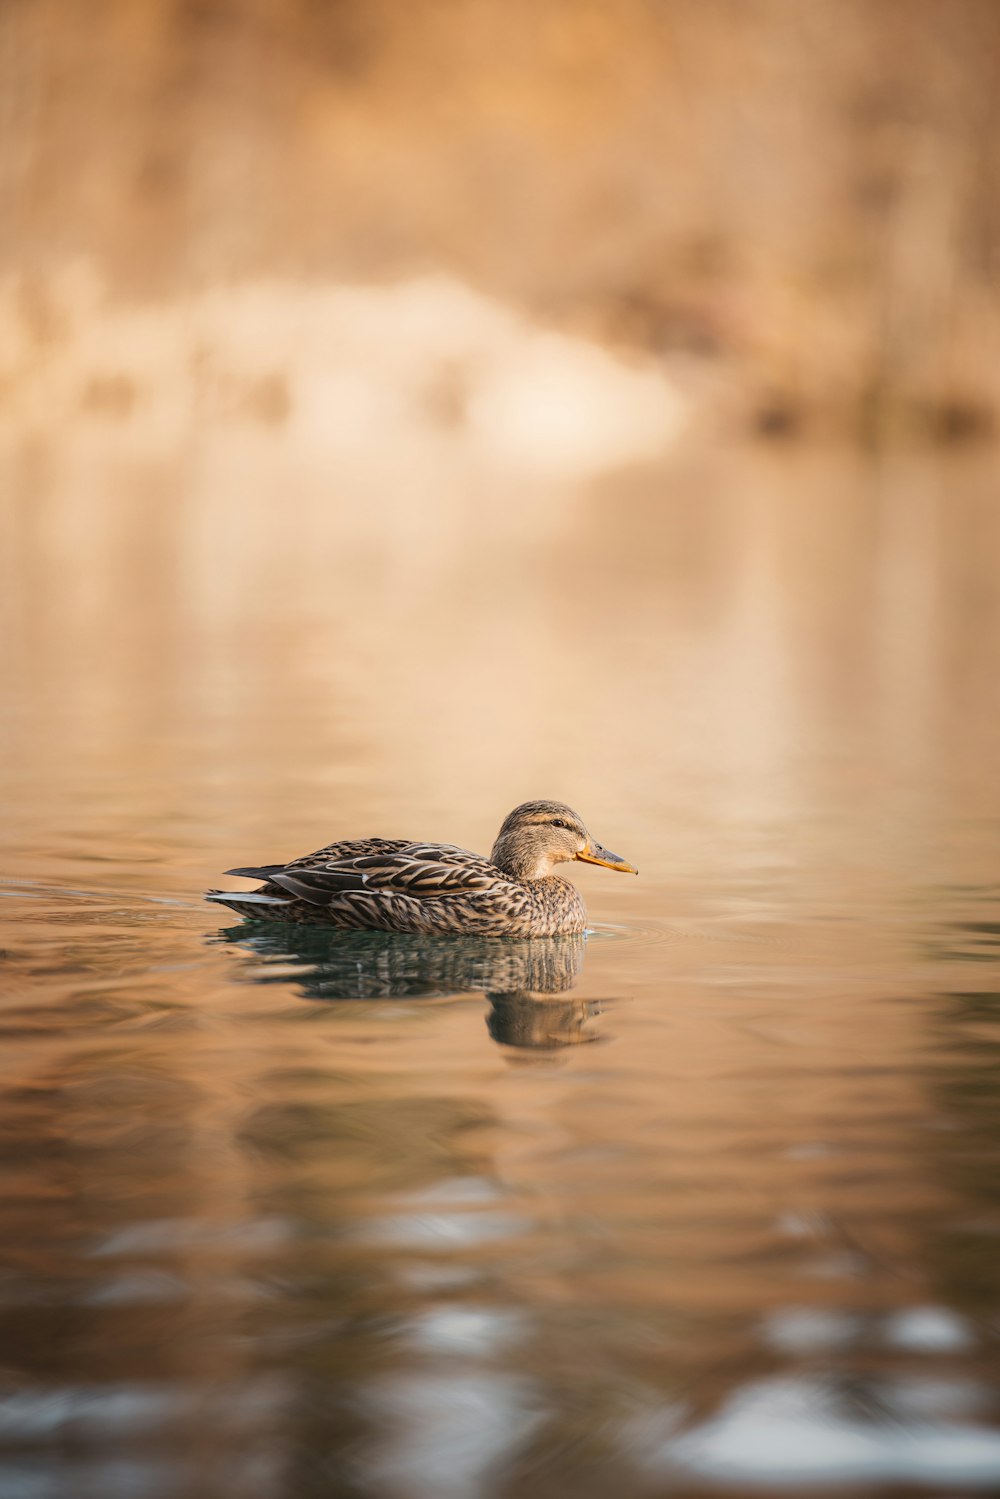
(793, 208)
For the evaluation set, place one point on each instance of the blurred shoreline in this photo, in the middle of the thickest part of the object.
(355, 375)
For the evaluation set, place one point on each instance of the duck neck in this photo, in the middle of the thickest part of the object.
(519, 860)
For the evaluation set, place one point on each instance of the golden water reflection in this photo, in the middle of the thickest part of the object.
(283, 1219)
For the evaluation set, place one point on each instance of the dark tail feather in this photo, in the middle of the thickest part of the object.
(318, 885)
(261, 872)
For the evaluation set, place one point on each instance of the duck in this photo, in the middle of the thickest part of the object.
(395, 885)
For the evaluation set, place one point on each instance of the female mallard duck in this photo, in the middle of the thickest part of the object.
(392, 885)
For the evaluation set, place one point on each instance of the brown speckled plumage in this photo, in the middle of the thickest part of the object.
(392, 885)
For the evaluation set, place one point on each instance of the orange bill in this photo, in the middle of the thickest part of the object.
(595, 854)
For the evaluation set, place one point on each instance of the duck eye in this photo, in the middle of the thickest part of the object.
(557, 822)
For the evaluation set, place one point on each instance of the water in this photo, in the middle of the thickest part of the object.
(707, 1203)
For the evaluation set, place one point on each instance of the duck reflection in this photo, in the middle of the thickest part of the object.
(529, 1020)
(519, 979)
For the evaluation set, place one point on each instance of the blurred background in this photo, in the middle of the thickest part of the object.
(407, 410)
(791, 209)
(394, 350)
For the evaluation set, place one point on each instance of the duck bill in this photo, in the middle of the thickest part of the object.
(595, 854)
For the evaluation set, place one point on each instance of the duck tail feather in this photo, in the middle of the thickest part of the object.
(318, 886)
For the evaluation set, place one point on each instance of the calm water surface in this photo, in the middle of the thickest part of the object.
(705, 1203)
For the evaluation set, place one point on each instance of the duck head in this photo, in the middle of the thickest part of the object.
(537, 836)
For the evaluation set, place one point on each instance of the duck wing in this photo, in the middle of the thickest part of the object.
(331, 855)
(348, 848)
(420, 870)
